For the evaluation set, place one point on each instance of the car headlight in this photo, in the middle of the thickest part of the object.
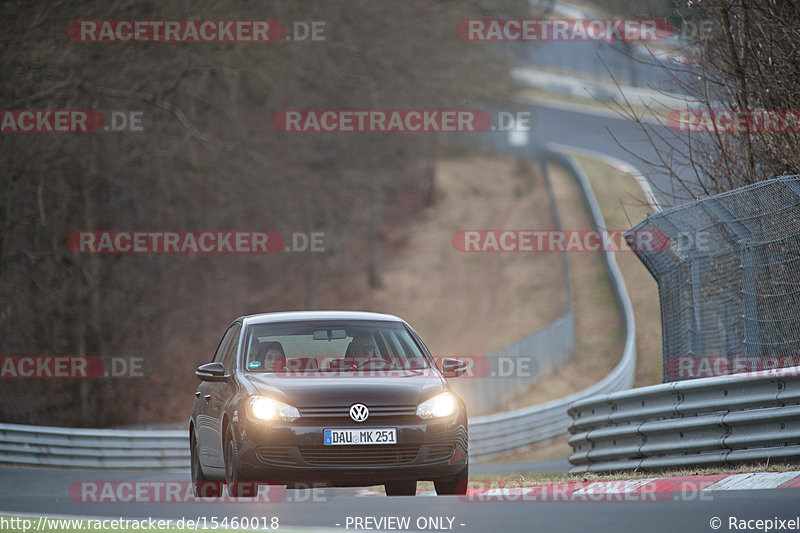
(268, 409)
(439, 406)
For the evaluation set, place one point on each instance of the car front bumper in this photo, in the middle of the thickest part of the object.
(294, 453)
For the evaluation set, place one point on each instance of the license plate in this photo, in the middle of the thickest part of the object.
(341, 437)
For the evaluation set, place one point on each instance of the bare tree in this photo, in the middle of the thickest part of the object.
(209, 159)
(746, 62)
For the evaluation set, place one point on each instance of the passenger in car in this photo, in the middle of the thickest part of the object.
(272, 356)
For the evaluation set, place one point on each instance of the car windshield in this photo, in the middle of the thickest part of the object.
(342, 346)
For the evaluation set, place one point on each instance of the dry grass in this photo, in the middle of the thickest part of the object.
(623, 205)
(549, 479)
(480, 286)
(474, 303)
(445, 294)
(598, 332)
(598, 328)
(532, 479)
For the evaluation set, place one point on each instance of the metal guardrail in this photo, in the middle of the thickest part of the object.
(502, 433)
(605, 91)
(490, 436)
(543, 351)
(702, 422)
(93, 448)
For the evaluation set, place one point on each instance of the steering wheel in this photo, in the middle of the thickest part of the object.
(373, 363)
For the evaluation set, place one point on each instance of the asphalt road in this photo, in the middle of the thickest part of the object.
(556, 466)
(588, 131)
(47, 492)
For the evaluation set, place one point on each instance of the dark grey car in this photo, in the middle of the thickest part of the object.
(326, 398)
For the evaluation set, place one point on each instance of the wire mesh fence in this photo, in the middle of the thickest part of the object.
(728, 280)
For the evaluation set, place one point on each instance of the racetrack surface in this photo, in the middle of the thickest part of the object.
(47, 492)
(579, 128)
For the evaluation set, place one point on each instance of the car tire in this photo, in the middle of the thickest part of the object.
(202, 487)
(401, 488)
(236, 486)
(456, 485)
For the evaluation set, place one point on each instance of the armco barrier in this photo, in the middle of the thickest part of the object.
(544, 351)
(490, 435)
(501, 433)
(703, 422)
(93, 448)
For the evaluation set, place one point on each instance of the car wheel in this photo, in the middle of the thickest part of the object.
(202, 487)
(401, 488)
(237, 488)
(454, 485)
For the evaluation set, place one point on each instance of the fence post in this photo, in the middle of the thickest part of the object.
(750, 306)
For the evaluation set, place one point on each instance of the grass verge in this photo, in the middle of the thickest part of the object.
(623, 204)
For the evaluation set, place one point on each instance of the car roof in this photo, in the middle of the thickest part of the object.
(294, 316)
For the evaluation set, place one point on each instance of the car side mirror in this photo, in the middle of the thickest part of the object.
(211, 372)
(452, 368)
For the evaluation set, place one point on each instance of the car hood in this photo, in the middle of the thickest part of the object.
(399, 387)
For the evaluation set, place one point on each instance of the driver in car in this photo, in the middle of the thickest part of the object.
(360, 350)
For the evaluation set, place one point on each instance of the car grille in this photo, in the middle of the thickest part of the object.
(355, 455)
(276, 455)
(439, 452)
(395, 411)
(359, 455)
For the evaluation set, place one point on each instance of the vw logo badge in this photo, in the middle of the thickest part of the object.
(359, 412)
